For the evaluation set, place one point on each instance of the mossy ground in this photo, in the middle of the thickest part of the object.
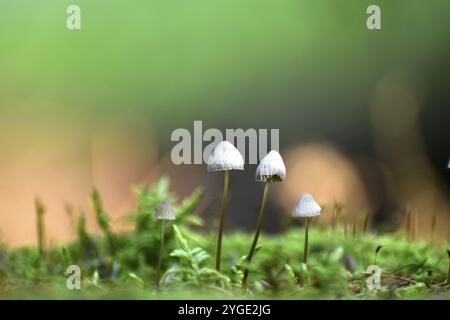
(122, 266)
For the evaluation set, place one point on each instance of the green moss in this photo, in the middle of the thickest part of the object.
(122, 266)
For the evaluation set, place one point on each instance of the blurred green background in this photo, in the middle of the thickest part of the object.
(167, 63)
(96, 106)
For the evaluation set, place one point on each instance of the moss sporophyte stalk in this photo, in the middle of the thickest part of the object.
(40, 218)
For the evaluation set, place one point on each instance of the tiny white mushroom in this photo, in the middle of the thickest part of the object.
(306, 206)
(271, 167)
(224, 157)
(164, 211)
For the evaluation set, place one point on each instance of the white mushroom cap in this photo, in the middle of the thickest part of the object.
(225, 156)
(164, 211)
(306, 206)
(271, 167)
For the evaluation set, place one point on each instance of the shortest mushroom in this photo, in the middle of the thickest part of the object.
(306, 207)
(164, 211)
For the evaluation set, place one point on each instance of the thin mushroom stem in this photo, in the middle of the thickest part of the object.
(305, 250)
(258, 230)
(161, 253)
(222, 215)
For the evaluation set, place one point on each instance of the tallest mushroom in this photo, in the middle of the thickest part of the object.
(270, 169)
(224, 157)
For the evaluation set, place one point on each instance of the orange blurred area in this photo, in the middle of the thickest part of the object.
(61, 162)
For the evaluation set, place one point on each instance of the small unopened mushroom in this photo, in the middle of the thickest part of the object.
(224, 157)
(306, 207)
(271, 168)
(164, 211)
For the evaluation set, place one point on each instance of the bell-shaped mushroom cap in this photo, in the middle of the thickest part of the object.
(306, 206)
(164, 211)
(225, 156)
(271, 167)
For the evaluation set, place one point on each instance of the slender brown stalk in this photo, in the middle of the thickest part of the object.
(334, 216)
(448, 272)
(401, 278)
(345, 228)
(336, 213)
(414, 226)
(71, 214)
(161, 253)
(408, 223)
(40, 212)
(433, 226)
(366, 222)
(305, 250)
(376, 254)
(258, 230)
(222, 215)
(354, 227)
